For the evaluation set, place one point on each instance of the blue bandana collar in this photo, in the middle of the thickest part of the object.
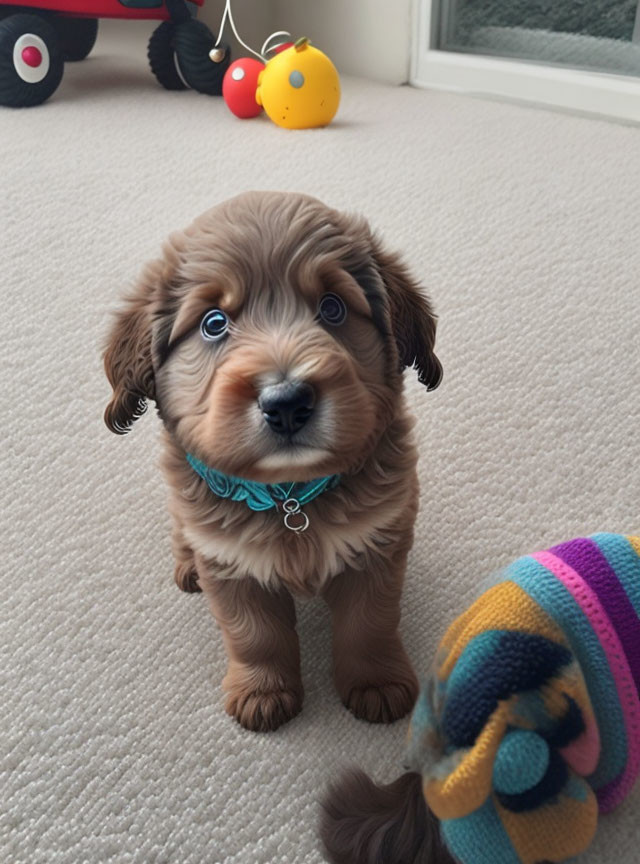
(263, 496)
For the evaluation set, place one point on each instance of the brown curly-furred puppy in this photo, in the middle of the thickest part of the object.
(272, 334)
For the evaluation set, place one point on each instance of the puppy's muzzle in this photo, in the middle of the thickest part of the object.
(288, 406)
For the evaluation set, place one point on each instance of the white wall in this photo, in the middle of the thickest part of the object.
(370, 38)
(253, 18)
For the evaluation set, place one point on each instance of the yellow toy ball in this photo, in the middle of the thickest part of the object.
(299, 88)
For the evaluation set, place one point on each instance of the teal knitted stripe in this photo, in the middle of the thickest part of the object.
(543, 587)
(477, 654)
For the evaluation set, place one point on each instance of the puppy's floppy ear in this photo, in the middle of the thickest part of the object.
(413, 321)
(127, 359)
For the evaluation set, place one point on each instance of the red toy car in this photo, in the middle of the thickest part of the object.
(36, 40)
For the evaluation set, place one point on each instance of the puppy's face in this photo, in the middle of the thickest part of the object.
(272, 336)
(278, 377)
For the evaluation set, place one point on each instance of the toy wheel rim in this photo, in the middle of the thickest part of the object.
(28, 49)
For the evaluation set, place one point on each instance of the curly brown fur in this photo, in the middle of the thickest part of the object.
(263, 681)
(364, 823)
(267, 259)
(412, 320)
(127, 359)
(372, 672)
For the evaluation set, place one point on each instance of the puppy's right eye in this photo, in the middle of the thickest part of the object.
(214, 325)
(332, 310)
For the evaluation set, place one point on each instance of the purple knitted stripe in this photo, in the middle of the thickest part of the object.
(584, 556)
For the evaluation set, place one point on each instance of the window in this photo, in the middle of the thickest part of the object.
(583, 56)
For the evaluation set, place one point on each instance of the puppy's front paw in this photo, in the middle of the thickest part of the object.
(379, 688)
(186, 576)
(264, 711)
(382, 703)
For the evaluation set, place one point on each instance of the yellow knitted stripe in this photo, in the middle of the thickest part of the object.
(469, 785)
(506, 606)
(555, 832)
(570, 683)
(635, 542)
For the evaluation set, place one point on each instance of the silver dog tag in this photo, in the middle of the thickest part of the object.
(291, 508)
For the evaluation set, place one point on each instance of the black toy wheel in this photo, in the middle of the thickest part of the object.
(77, 36)
(31, 63)
(162, 56)
(193, 41)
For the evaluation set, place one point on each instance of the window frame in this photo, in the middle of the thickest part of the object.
(602, 94)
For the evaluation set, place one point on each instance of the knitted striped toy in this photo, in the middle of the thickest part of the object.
(527, 727)
(529, 724)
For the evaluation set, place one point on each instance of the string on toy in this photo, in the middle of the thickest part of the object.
(264, 50)
(217, 53)
(227, 14)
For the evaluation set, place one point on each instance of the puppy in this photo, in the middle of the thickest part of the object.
(272, 335)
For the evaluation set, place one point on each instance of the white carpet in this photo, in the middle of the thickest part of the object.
(526, 227)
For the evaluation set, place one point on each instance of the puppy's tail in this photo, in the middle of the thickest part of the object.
(363, 823)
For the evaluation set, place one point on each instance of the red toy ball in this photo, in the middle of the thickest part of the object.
(282, 47)
(239, 87)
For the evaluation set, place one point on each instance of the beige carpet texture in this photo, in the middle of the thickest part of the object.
(524, 225)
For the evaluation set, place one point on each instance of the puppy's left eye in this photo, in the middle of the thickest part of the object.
(214, 325)
(332, 310)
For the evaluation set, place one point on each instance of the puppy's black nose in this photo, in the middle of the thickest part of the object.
(286, 407)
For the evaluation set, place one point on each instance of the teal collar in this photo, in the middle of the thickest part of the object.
(263, 496)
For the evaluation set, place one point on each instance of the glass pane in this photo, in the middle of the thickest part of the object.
(601, 35)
